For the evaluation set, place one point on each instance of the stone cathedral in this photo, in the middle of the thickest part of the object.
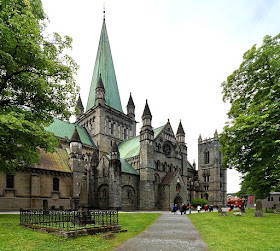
(101, 162)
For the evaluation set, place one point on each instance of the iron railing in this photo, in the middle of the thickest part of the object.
(68, 219)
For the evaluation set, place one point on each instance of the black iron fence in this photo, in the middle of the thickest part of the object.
(68, 219)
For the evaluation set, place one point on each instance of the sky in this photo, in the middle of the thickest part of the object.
(174, 53)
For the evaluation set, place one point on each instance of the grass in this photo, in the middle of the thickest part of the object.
(236, 233)
(15, 237)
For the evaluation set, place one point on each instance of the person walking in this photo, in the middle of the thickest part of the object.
(182, 208)
(198, 208)
(174, 209)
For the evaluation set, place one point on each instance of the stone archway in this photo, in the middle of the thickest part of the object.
(178, 200)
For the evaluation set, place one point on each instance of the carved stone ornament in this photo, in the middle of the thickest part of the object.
(166, 149)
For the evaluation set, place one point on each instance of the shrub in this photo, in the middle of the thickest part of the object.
(201, 202)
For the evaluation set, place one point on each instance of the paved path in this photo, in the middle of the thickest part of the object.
(169, 232)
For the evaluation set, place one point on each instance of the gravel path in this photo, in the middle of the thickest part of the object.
(169, 232)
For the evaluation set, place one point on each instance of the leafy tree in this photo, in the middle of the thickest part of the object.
(36, 83)
(196, 202)
(251, 139)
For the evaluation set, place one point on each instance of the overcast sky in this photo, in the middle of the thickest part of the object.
(175, 53)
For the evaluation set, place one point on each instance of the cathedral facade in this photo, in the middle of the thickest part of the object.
(101, 162)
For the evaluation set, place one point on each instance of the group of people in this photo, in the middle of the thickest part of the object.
(183, 208)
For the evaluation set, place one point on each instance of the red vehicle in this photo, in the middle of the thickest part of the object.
(234, 201)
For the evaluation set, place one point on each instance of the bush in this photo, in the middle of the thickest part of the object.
(201, 202)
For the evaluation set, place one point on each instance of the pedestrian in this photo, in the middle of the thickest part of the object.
(198, 208)
(211, 208)
(182, 209)
(206, 208)
(174, 209)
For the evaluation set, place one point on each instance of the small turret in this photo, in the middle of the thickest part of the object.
(75, 145)
(180, 135)
(130, 107)
(147, 129)
(100, 92)
(79, 107)
(115, 154)
(216, 134)
(199, 139)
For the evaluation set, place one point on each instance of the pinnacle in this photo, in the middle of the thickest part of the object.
(180, 129)
(115, 147)
(75, 136)
(147, 111)
(130, 101)
(100, 83)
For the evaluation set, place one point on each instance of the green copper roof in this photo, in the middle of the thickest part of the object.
(64, 129)
(104, 66)
(131, 147)
(126, 167)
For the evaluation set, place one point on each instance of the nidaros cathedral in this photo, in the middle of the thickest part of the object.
(101, 162)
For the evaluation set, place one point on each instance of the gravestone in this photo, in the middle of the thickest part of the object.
(277, 208)
(258, 212)
(242, 207)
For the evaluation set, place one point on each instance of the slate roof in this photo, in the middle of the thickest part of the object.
(131, 147)
(167, 178)
(104, 65)
(57, 161)
(64, 129)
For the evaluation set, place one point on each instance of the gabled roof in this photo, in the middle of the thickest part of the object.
(64, 129)
(104, 66)
(57, 161)
(131, 147)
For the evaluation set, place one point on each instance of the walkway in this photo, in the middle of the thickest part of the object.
(169, 232)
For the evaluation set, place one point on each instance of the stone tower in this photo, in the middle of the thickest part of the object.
(130, 107)
(104, 118)
(77, 163)
(180, 137)
(115, 195)
(213, 178)
(147, 177)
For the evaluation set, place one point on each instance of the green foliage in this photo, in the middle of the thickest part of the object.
(15, 237)
(231, 233)
(36, 82)
(251, 139)
(201, 202)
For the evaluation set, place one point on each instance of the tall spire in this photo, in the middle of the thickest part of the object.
(104, 66)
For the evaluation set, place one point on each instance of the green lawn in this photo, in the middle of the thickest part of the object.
(235, 233)
(15, 237)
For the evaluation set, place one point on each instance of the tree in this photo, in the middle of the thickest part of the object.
(36, 83)
(251, 139)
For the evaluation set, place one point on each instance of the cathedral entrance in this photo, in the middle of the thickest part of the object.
(178, 200)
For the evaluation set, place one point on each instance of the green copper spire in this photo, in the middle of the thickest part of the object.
(104, 66)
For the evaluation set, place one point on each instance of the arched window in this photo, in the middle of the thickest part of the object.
(206, 196)
(104, 193)
(55, 184)
(128, 193)
(10, 181)
(112, 129)
(206, 157)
